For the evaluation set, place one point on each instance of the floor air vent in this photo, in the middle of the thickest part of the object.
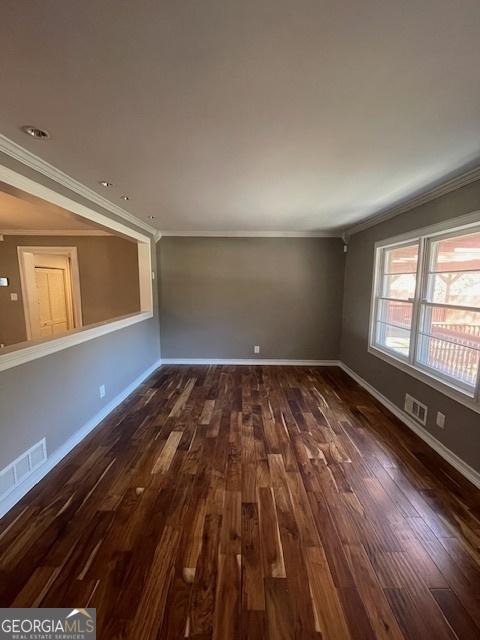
(416, 409)
(19, 470)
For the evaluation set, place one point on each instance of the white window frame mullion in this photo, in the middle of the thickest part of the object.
(377, 281)
(417, 298)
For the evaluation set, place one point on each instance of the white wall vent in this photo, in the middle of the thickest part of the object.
(21, 468)
(416, 409)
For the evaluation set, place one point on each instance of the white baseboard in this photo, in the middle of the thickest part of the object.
(462, 467)
(253, 361)
(53, 459)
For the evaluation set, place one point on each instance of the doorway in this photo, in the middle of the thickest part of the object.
(51, 290)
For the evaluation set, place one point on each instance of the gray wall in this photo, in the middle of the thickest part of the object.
(56, 395)
(221, 296)
(462, 428)
(108, 269)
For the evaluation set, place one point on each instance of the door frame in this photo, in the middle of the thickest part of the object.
(25, 262)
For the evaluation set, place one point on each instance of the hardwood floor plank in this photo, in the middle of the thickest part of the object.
(149, 616)
(202, 606)
(272, 551)
(378, 610)
(227, 603)
(329, 616)
(164, 460)
(417, 617)
(279, 620)
(253, 587)
(454, 612)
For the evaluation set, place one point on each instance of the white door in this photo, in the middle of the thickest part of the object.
(49, 295)
(52, 301)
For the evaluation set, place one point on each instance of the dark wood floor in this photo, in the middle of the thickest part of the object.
(251, 502)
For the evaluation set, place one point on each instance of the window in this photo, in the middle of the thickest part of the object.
(396, 296)
(426, 305)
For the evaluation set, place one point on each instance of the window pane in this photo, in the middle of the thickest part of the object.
(401, 259)
(394, 338)
(395, 313)
(450, 342)
(452, 287)
(461, 253)
(399, 286)
(455, 325)
(453, 360)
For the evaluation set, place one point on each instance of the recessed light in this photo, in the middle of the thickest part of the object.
(35, 132)
(105, 183)
(125, 198)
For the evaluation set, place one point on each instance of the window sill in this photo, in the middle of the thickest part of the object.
(451, 391)
(14, 356)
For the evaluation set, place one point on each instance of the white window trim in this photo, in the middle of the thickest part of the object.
(16, 355)
(447, 387)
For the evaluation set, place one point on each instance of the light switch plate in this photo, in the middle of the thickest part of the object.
(440, 420)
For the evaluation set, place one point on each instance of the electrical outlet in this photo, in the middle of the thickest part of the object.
(14, 297)
(256, 349)
(440, 420)
(101, 390)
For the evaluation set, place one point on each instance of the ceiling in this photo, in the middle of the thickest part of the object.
(247, 115)
(20, 213)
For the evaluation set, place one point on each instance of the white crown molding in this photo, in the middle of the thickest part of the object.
(415, 201)
(54, 232)
(462, 467)
(251, 234)
(14, 150)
